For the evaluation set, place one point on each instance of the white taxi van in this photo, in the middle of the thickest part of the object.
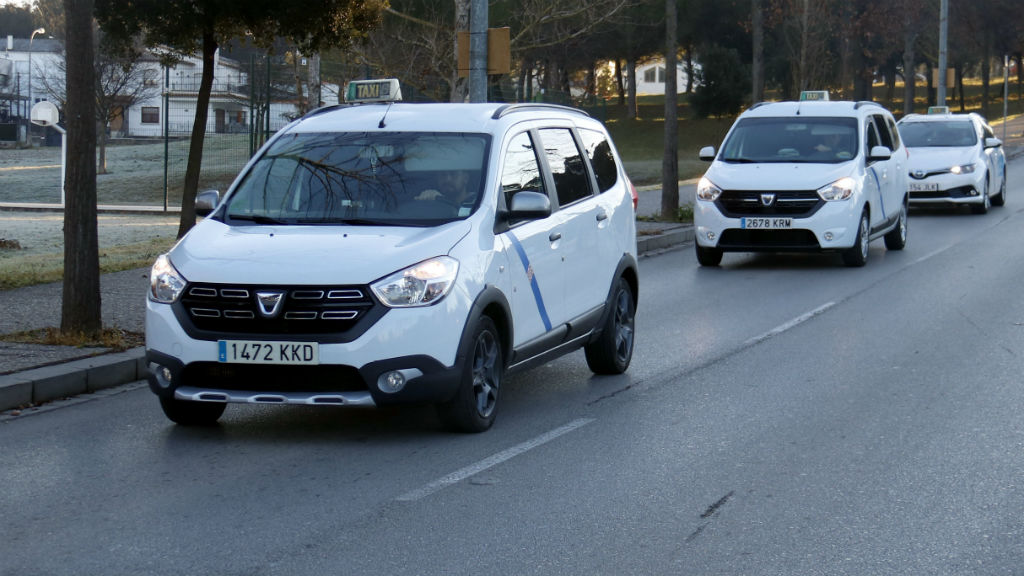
(384, 252)
(811, 175)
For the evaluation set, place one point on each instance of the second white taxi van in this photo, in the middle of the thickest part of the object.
(388, 252)
(812, 175)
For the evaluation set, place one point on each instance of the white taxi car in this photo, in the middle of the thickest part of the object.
(812, 175)
(955, 159)
(386, 252)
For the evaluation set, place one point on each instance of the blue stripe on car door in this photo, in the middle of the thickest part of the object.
(533, 281)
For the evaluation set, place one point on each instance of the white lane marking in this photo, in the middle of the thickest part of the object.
(794, 322)
(460, 475)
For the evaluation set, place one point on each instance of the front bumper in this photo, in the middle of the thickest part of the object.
(951, 189)
(831, 227)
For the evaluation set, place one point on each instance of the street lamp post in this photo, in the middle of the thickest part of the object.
(30, 39)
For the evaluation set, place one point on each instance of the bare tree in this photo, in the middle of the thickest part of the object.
(670, 160)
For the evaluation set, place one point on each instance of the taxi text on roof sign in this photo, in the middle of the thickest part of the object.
(387, 90)
(938, 109)
(814, 95)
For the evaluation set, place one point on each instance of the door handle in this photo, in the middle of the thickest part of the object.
(602, 215)
(555, 236)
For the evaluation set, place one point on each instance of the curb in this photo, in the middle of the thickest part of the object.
(20, 390)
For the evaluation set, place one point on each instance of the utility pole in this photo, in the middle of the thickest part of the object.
(940, 99)
(478, 51)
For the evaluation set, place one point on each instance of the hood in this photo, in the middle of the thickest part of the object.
(777, 176)
(216, 252)
(938, 158)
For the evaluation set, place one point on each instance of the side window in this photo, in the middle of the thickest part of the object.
(884, 137)
(894, 131)
(520, 170)
(872, 136)
(601, 158)
(566, 163)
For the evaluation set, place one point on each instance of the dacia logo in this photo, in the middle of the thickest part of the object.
(269, 302)
(767, 199)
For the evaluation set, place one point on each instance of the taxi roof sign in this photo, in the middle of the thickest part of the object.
(938, 109)
(386, 90)
(814, 95)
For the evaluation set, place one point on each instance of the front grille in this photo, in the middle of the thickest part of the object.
(954, 193)
(795, 203)
(214, 311)
(738, 239)
(272, 378)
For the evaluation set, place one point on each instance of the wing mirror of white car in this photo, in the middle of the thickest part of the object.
(993, 142)
(707, 153)
(879, 153)
(206, 202)
(529, 205)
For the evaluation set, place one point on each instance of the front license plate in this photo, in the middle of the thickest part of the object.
(923, 187)
(766, 223)
(263, 352)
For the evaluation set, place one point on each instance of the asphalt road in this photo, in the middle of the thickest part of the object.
(783, 415)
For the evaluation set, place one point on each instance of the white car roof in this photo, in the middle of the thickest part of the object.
(971, 116)
(430, 117)
(812, 108)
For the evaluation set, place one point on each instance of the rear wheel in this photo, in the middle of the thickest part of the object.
(896, 239)
(857, 255)
(708, 256)
(191, 413)
(476, 403)
(613, 350)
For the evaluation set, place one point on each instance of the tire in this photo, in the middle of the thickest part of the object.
(476, 403)
(896, 239)
(857, 255)
(986, 202)
(1000, 199)
(708, 256)
(613, 350)
(191, 413)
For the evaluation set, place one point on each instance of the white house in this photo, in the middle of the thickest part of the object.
(650, 77)
(18, 89)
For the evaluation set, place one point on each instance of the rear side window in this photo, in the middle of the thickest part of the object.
(894, 131)
(601, 158)
(566, 163)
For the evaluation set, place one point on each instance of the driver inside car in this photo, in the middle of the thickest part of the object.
(452, 188)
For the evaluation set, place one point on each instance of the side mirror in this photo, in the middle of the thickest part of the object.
(529, 205)
(879, 153)
(206, 202)
(993, 142)
(707, 153)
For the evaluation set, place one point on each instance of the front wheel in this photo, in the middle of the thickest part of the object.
(896, 239)
(986, 202)
(476, 403)
(191, 413)
(613, 350)
(857, 255)
(1000, 199)
(708, 256)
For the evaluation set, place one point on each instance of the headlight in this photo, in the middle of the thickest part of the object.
(707, 191)
(165, 283)
(839, 190)
(965, 169)
(424, 284)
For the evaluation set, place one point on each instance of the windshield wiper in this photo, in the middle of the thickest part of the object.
(740, 160)
(257, 218)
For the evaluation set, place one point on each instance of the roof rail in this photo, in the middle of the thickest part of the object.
(501, 111)
(866, 103)
(324, 109)
(758, 104)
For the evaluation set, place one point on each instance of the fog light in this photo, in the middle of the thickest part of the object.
(162, 373)
(711, 236)
(391, 382)
(828, 236)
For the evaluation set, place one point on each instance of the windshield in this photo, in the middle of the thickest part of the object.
(954, 133)
(792, 139)
(405, 179)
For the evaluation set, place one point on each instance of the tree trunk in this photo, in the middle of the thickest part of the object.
(670, 161)
(620, 86)
(101, 164)
(460, 85)
(632, 112)
(909, 75)
(80, 306)
(315, 97)
(757, 62)
(195, 150)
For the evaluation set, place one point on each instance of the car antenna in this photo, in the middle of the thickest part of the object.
(381, 124)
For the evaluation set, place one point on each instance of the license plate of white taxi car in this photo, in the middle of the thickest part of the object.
(267, 352)
(766, 223)
(924, 187)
